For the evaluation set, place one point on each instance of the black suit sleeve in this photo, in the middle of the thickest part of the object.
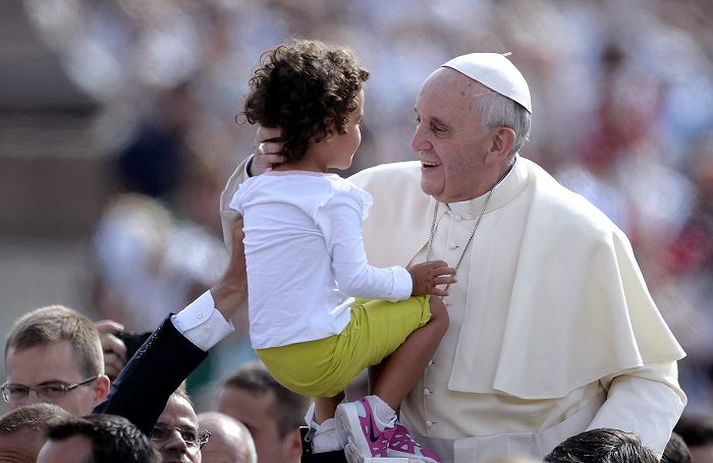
(156, 370)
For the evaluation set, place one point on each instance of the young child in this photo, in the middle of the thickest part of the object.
(306, 261)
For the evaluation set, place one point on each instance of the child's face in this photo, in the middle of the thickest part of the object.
(346, 144)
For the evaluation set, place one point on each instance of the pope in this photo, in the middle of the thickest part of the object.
(552, 328)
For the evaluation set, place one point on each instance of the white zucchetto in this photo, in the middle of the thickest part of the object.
(497, 73)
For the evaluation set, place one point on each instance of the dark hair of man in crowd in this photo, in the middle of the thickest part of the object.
(58, 323)
(695, 430)
(676, 450)
(307, 88)
(114, 438)
(602, 445)
(288, 407)
(34, 416)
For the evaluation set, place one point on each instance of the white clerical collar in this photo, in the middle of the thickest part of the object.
(505, 190)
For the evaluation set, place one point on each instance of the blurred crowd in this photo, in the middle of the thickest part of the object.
(623, 114)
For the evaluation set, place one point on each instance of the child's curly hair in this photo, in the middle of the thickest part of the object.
(304, 87)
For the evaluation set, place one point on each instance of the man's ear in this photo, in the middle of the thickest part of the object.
(101, 388)
(503, 139)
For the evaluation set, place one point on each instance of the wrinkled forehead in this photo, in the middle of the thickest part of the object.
(447, 87)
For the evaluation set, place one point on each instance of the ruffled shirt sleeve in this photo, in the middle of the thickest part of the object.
(341, 220)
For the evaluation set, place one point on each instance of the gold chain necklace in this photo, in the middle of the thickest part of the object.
(470, 238)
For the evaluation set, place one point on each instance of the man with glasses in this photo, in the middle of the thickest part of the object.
(176, 435)
(53, 355)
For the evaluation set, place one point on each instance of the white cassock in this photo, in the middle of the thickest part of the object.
(552, 329)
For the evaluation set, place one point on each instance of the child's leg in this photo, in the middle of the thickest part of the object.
(370, 423)
(398, 373)
(324, 435)
(325, 407)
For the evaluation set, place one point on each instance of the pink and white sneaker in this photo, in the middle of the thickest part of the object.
(365, 437)
(402, 445)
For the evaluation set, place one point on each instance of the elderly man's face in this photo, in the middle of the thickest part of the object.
(54, 363)
(177, 421)
(76, 448)
(449, 139)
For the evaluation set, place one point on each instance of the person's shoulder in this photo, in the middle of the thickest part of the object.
(342, 190)
(570, 209)
(396, 174)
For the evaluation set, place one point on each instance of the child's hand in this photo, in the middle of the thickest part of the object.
(428, 275)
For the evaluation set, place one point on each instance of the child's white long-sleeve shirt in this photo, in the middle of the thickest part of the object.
(305, 256)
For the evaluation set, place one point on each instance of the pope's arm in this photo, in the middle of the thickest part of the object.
(647, 401)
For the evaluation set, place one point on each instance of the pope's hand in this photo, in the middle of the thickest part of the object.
(266, 150)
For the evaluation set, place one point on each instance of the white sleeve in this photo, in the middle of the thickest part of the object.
(646, 401)
(341, 222)
(201, 323)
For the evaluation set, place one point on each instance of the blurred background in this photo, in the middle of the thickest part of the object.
(118, 131)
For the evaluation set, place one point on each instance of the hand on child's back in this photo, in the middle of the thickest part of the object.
(428, 276)
(266, 150)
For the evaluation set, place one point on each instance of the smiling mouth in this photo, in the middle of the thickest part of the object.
(429, 164)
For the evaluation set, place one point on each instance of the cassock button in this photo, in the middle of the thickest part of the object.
(431, 362)
(429, 423)
(426, 391)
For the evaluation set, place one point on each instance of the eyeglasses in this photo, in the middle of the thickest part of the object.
(198, 439)
(17, 392)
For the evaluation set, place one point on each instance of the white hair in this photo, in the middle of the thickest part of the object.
(496, 110)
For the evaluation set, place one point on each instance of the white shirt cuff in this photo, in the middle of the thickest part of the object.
(201, 323)
(403, 284)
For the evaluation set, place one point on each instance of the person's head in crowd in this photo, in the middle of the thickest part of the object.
(95, 439)
(676, 450)
(697, 432)
(230, 441)
(272, 413)
(53, 355)
(176, 435)
(468, 132)
(314, 93)
(602, 445)
(22, 431)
